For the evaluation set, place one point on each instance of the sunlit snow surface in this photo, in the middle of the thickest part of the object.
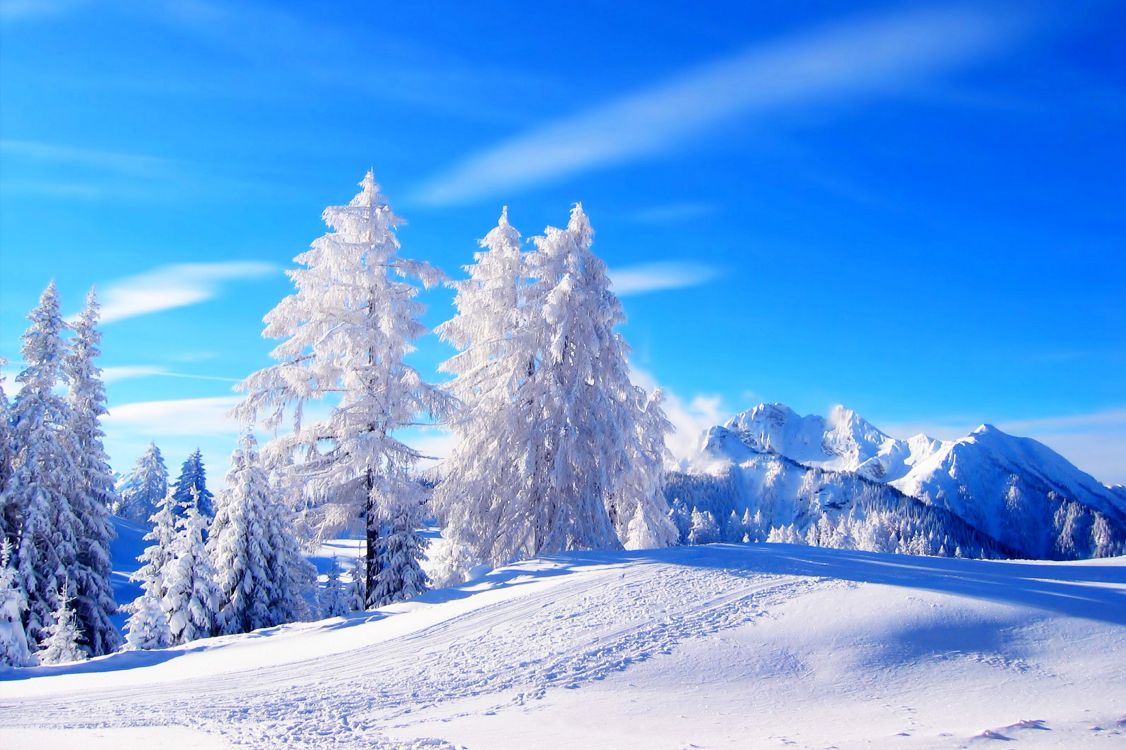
(724, 646)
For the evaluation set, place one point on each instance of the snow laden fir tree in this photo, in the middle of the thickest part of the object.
(346, 330)
(263, 579)
(141, 491)
(558, 449)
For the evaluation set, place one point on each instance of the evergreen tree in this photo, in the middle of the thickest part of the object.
(14, 651)
(142, 490)
(61, 644)
(358, 590)
(347, 329)
(485, 493)
(44, 476)
(9, 519)
(558, 449)
(334, 599)
(147, 627)
(704, 528)
(93, 491)
(401, 549)
(157, 557)
(193, 476)
(192, 598)
(263, 578)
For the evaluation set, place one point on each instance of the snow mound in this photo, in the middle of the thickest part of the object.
(720, 646)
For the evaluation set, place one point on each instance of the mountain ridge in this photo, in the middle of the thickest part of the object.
(1014, 490)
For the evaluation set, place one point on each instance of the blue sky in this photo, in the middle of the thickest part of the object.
(917, 210)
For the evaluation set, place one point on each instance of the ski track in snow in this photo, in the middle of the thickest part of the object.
(599, 621)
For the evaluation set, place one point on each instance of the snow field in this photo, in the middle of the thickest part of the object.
(723, 646)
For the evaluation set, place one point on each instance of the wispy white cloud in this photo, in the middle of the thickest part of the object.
(123, 163)
(690, 416)
(189, 417)
(654, 277)
(130, 372)
(845, 60)
(173, 286)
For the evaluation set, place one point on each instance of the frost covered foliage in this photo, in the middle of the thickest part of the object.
(147, 627)
(61, 644)
(400, 555)
(262, 577)
(346, 330)
(791, 503)
(191, 596)
(44, 475)
(93, 492)
(193, 479)
(14, 651)
(558, 450)
(158, 555)
(56, 482)
(335, 600)
(143, 488)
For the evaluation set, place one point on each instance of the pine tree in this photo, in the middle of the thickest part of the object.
(63, 636)
(44, 476)
(704, 529)
(358, 589)
(193, 476)
(9, 519)
(558, 449)
(263, 578)
(400, 551)
(142, 490)
(594, 430)
(192, 598)
(93, 492)
(334, 599)
(347, 329)
(14, 651)
(147, 627)
(157, 557)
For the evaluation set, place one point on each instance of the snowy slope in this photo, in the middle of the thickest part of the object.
(725, 646)
(1015, 490)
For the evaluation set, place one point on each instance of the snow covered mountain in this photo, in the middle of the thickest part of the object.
(1014, 490)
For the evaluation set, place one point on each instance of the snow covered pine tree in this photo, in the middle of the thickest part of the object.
(14, 651)
(558, 449)
(263, 578)
(141, 491)
(347, 329)
(93, 492)
(44, 475)
(193, 476)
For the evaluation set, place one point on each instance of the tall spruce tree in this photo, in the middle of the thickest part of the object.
(192, 598)
(142, 490)
(8, 518)
(44, 475)
(93, 491)
(14, 651)
(346, 331)
(559, 450)
(263, 578)
(193, 477)
(156, 558)
(485, 494)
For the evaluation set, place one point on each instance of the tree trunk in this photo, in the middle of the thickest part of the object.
(371, 553)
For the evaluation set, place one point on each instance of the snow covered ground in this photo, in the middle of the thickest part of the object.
(723, 646)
